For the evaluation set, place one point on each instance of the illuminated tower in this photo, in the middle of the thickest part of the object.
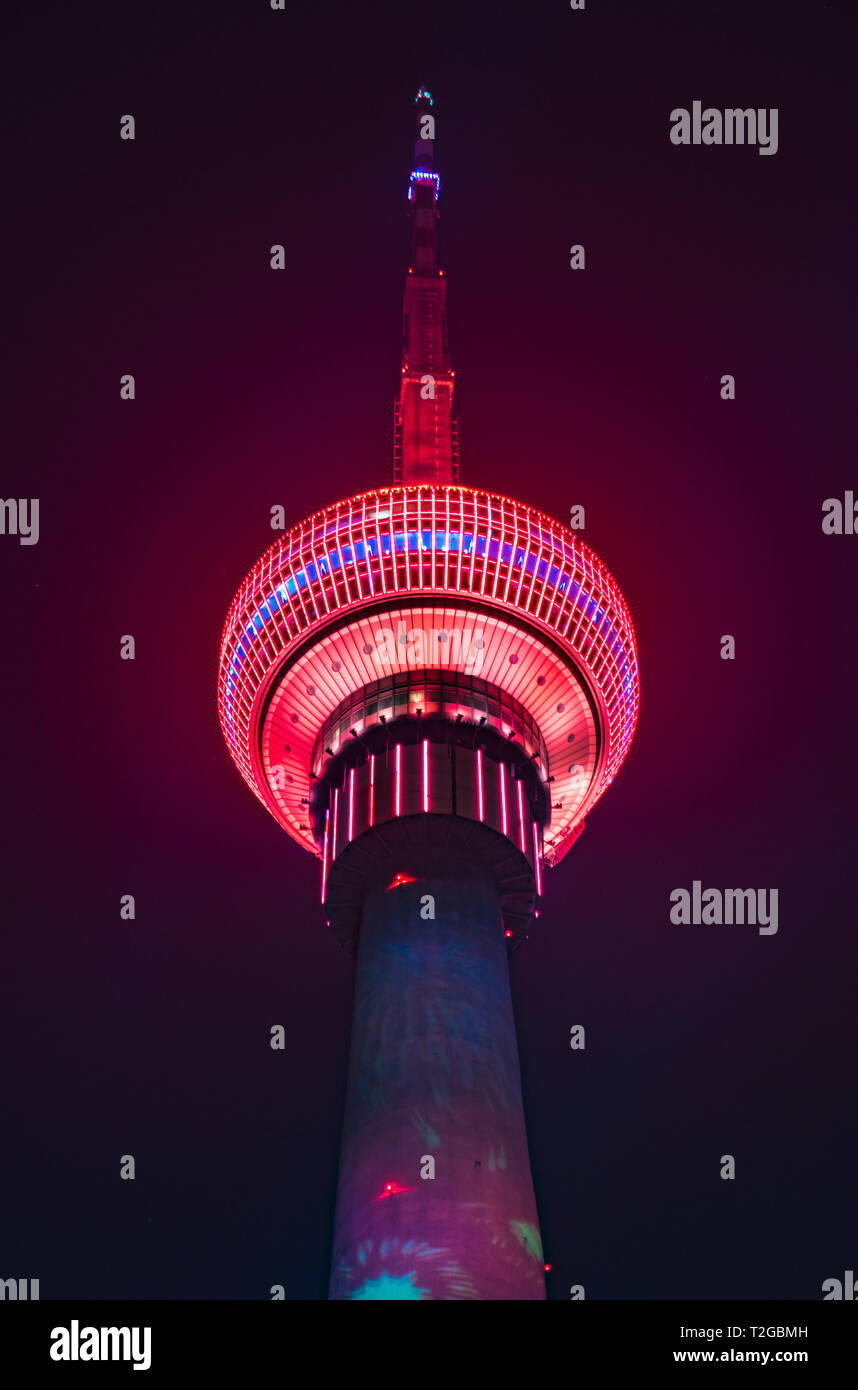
(429, 687)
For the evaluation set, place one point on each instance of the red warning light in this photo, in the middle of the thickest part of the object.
(399, 880)
(390, 1189)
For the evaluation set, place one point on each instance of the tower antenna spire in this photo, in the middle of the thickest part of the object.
(425, 448)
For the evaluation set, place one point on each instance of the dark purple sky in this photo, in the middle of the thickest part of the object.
(256, 388)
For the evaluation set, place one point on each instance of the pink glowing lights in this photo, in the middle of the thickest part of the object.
(502, 779)
(398, 881)
(390, 1189)
(520, 795)
(537, 860)
(325, 854)
(428, 541)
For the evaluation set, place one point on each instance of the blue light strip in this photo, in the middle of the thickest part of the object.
(444, 540)
(423, 176)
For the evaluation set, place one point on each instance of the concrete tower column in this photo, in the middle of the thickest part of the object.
(434, 1080)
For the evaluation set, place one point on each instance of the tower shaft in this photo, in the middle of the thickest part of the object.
(435, 1196)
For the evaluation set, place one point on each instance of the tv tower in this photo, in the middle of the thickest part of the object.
(429, 687)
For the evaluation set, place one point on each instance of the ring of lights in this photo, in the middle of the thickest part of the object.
(555, 625)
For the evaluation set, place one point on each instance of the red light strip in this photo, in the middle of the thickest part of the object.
(325, 854)
(521, 816)
(581, 609)
(461, 538)
(285, 567)
(327, 583)
(320, 573)
(497, 564)
(473, 542)
(486, 551)
(366, 555)
(354, 562)
(344, 570)
(447, 546)
(390, 505)
(425, 774)
(292, 568)
(398, 789)
(372, 789)
(352, 804)
(406, 553)
(334, 825)
(536, 862)
(502, 772)
(328, 543)
(533, 576)
(547, 570)
(523, 565)
(419, 542)
(380, 552)
(480, 805)
(512, 553)
(569, 570)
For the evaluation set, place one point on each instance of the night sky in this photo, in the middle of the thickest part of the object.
(257, 387)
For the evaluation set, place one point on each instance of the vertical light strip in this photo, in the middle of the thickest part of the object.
(525, 558)
(499, 556)
(351, 805)
(339, 547)
(365, 542)
(353, 562)
(390, 507)
(321, 573)
(504, 822)
(550, 556)
(557, 598)
(537, 562)
(425, 774)
(397, 795)
(521, 816)
(434, 580)
(480, 805)
(461, 538)
(301, 563)
(488, 545)
(582, 603)
(419, 542)
(334, 825)
(405, 546)
(570, 592)
(372, 789)
(536, 862)
(380, 549)
(447, 544)
(325, 854)
(509, 568)
(473, 542)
